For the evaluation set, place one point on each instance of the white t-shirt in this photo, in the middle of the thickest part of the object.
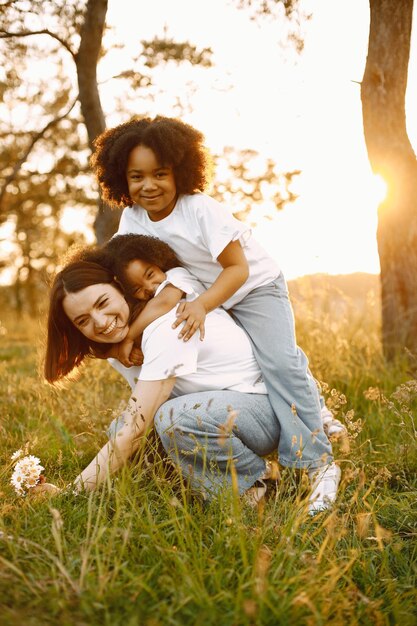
(224, 360)
(198, 230)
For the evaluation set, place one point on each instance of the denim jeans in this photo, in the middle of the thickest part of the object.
(267, 317)
(206, 433)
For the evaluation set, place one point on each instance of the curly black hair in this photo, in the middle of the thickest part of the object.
(122, 249)
(175, 144)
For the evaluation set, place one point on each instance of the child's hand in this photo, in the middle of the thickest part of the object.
(136, 356)
(124, 350)
(193, 314)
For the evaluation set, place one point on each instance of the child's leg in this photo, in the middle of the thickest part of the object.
(267, 317)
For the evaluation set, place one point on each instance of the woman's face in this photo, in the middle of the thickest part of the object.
(100, 312)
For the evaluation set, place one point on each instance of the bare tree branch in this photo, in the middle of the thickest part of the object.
(27, 33)
(35, 138)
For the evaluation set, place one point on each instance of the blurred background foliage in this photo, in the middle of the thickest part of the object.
(50, 112)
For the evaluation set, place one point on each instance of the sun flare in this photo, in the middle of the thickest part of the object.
(378, 189)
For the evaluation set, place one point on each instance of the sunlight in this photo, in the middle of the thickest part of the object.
(78, 219)
(378, 189)
(297, 125)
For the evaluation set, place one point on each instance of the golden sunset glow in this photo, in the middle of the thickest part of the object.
(379, 188)
(304, 112)
(207, 420)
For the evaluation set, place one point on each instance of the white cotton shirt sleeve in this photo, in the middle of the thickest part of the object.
(218, 227)
(131, 374)
(182, 279)
(166, 355)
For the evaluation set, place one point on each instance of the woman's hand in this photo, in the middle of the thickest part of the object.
(43, 490)
(193, 314)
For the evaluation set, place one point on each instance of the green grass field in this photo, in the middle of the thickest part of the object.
(142, 551)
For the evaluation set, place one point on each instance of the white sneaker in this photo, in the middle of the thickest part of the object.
(324, 484)
(332, 426)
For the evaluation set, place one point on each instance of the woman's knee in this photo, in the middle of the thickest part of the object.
(166, 421)
(201, 415)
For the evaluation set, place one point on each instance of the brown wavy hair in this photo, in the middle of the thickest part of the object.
(175, 144)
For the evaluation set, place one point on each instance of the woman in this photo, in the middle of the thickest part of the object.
(226, 419)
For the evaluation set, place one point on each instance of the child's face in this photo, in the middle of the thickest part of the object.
(143, 279)
(151, 185)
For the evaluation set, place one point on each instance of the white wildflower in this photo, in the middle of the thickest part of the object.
(17, 482)
(16, 455)
(26, 474)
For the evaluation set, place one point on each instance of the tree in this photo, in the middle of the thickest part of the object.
(79, 31)
(78, 28)
(391, 156)
(244, 181)
(86, 59)
(287, 10)
(40, 170)
(63, 115)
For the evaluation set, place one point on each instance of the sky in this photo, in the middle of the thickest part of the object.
(302, 111)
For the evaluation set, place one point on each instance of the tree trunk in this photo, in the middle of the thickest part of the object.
(107, 220)
(391, 155)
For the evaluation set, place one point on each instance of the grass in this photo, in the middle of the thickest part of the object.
(142, 551)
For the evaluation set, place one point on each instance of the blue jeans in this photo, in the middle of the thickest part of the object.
(205, 433)
(267, 317)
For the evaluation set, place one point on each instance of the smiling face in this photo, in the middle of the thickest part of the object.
(100, 312)
(143, 279)
(151, 185)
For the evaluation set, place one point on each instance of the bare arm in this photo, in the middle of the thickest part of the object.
(157, 306)
(135, 421)
(234, 274)
(161, 304)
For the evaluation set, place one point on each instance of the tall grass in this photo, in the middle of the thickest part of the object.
(143, 551)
